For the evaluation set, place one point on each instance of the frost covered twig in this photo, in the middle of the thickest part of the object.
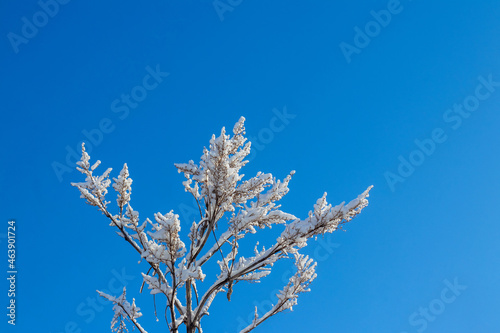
(287, 297)
(123, 310)
(220, 194)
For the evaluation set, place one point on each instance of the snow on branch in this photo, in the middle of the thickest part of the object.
(165, 244)
(122, 186)
(218, 172)
(230, 207)
(95, 188)
(324, 218)
(123, 311)
(287, 297)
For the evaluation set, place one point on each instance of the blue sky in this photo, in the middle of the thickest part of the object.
(409, 104)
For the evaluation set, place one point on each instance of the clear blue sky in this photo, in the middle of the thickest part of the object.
(419, 92)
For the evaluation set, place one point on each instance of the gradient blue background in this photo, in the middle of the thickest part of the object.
(353, 120)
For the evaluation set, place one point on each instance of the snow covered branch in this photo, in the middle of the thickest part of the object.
(221, 194)
(287, 297)
(123, 310)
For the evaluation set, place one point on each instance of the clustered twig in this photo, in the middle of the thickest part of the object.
(218, 189)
